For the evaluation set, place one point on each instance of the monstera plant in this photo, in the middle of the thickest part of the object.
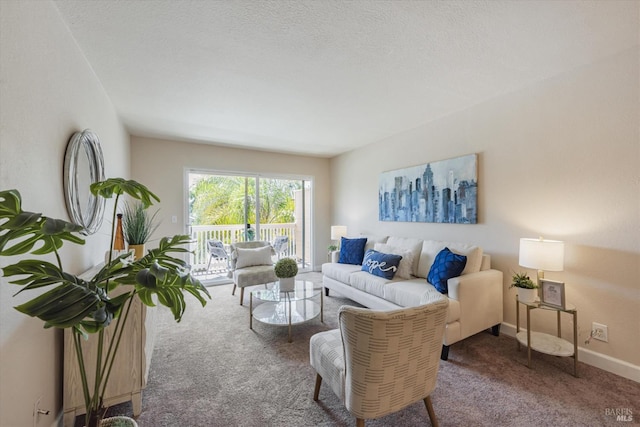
(87, 307)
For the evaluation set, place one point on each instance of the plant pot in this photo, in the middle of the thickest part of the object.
(138, 251)
(118, 421)
(287, 284)
(527, 295)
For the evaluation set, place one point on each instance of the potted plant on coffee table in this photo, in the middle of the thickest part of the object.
(286, 270)
(525, 286)
(87, 307)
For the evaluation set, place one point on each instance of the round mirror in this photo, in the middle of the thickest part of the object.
(84, 165)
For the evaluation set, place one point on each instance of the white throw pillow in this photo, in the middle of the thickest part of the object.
(404, 268)
(431, 248)
(251, 257)
(408, 243)
(473, 254)
(372, 240)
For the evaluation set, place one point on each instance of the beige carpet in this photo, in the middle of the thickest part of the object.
(212, 370)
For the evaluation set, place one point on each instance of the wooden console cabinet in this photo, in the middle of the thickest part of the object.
(131, 368)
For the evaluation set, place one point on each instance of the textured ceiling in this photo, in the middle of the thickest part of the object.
(324, 77)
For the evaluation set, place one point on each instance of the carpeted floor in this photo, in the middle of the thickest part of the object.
(212, 370)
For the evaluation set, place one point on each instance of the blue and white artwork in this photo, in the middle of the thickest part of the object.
(445, 192)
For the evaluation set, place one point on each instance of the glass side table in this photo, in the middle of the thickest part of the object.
(286, 308)
(547, 343)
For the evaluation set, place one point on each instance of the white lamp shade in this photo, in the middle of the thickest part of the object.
(338, 231)
(542, 254)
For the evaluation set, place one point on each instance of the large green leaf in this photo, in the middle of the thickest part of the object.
(10, 201)
(68, 303)
(24, 241)
(118, 186)
(37, 274)
(159, 273)
(73, 303)
(22, 220)
(22, 231)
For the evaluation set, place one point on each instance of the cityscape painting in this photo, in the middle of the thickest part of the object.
(445, 192)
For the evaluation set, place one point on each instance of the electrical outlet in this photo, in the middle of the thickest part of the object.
(599, 332)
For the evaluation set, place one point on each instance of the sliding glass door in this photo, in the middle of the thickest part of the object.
(228, 208)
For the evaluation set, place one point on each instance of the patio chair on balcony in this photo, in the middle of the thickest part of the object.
(281, 245)
(217, 252)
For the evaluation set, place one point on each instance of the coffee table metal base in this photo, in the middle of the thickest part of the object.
(286, 308)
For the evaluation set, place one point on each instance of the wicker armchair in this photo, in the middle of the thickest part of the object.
(380, 362)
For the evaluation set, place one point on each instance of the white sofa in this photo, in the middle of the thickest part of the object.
(475, 297)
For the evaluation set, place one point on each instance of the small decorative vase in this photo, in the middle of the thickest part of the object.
(527, 295)
(287, 284)
(138, 251)
(118, 242)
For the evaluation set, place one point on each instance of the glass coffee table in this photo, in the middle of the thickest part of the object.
(286, 308)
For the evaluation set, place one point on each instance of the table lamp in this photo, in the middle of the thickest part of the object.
(542, 255)
(337, 232)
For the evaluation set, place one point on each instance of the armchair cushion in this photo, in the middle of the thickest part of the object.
(254, 275)
(255, 256)
(327, 356)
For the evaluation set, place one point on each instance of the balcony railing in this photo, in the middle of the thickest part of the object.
(232, 233)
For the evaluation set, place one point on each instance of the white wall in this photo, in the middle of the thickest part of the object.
(161, 164)
(560, 159)
(47, 92)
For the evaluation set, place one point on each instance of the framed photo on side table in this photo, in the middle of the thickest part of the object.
(552, 293)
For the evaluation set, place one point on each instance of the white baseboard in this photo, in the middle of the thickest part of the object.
(601, 361)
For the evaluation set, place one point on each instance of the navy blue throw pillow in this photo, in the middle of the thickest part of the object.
(381, 264)
(352, 250)
(445, 266)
